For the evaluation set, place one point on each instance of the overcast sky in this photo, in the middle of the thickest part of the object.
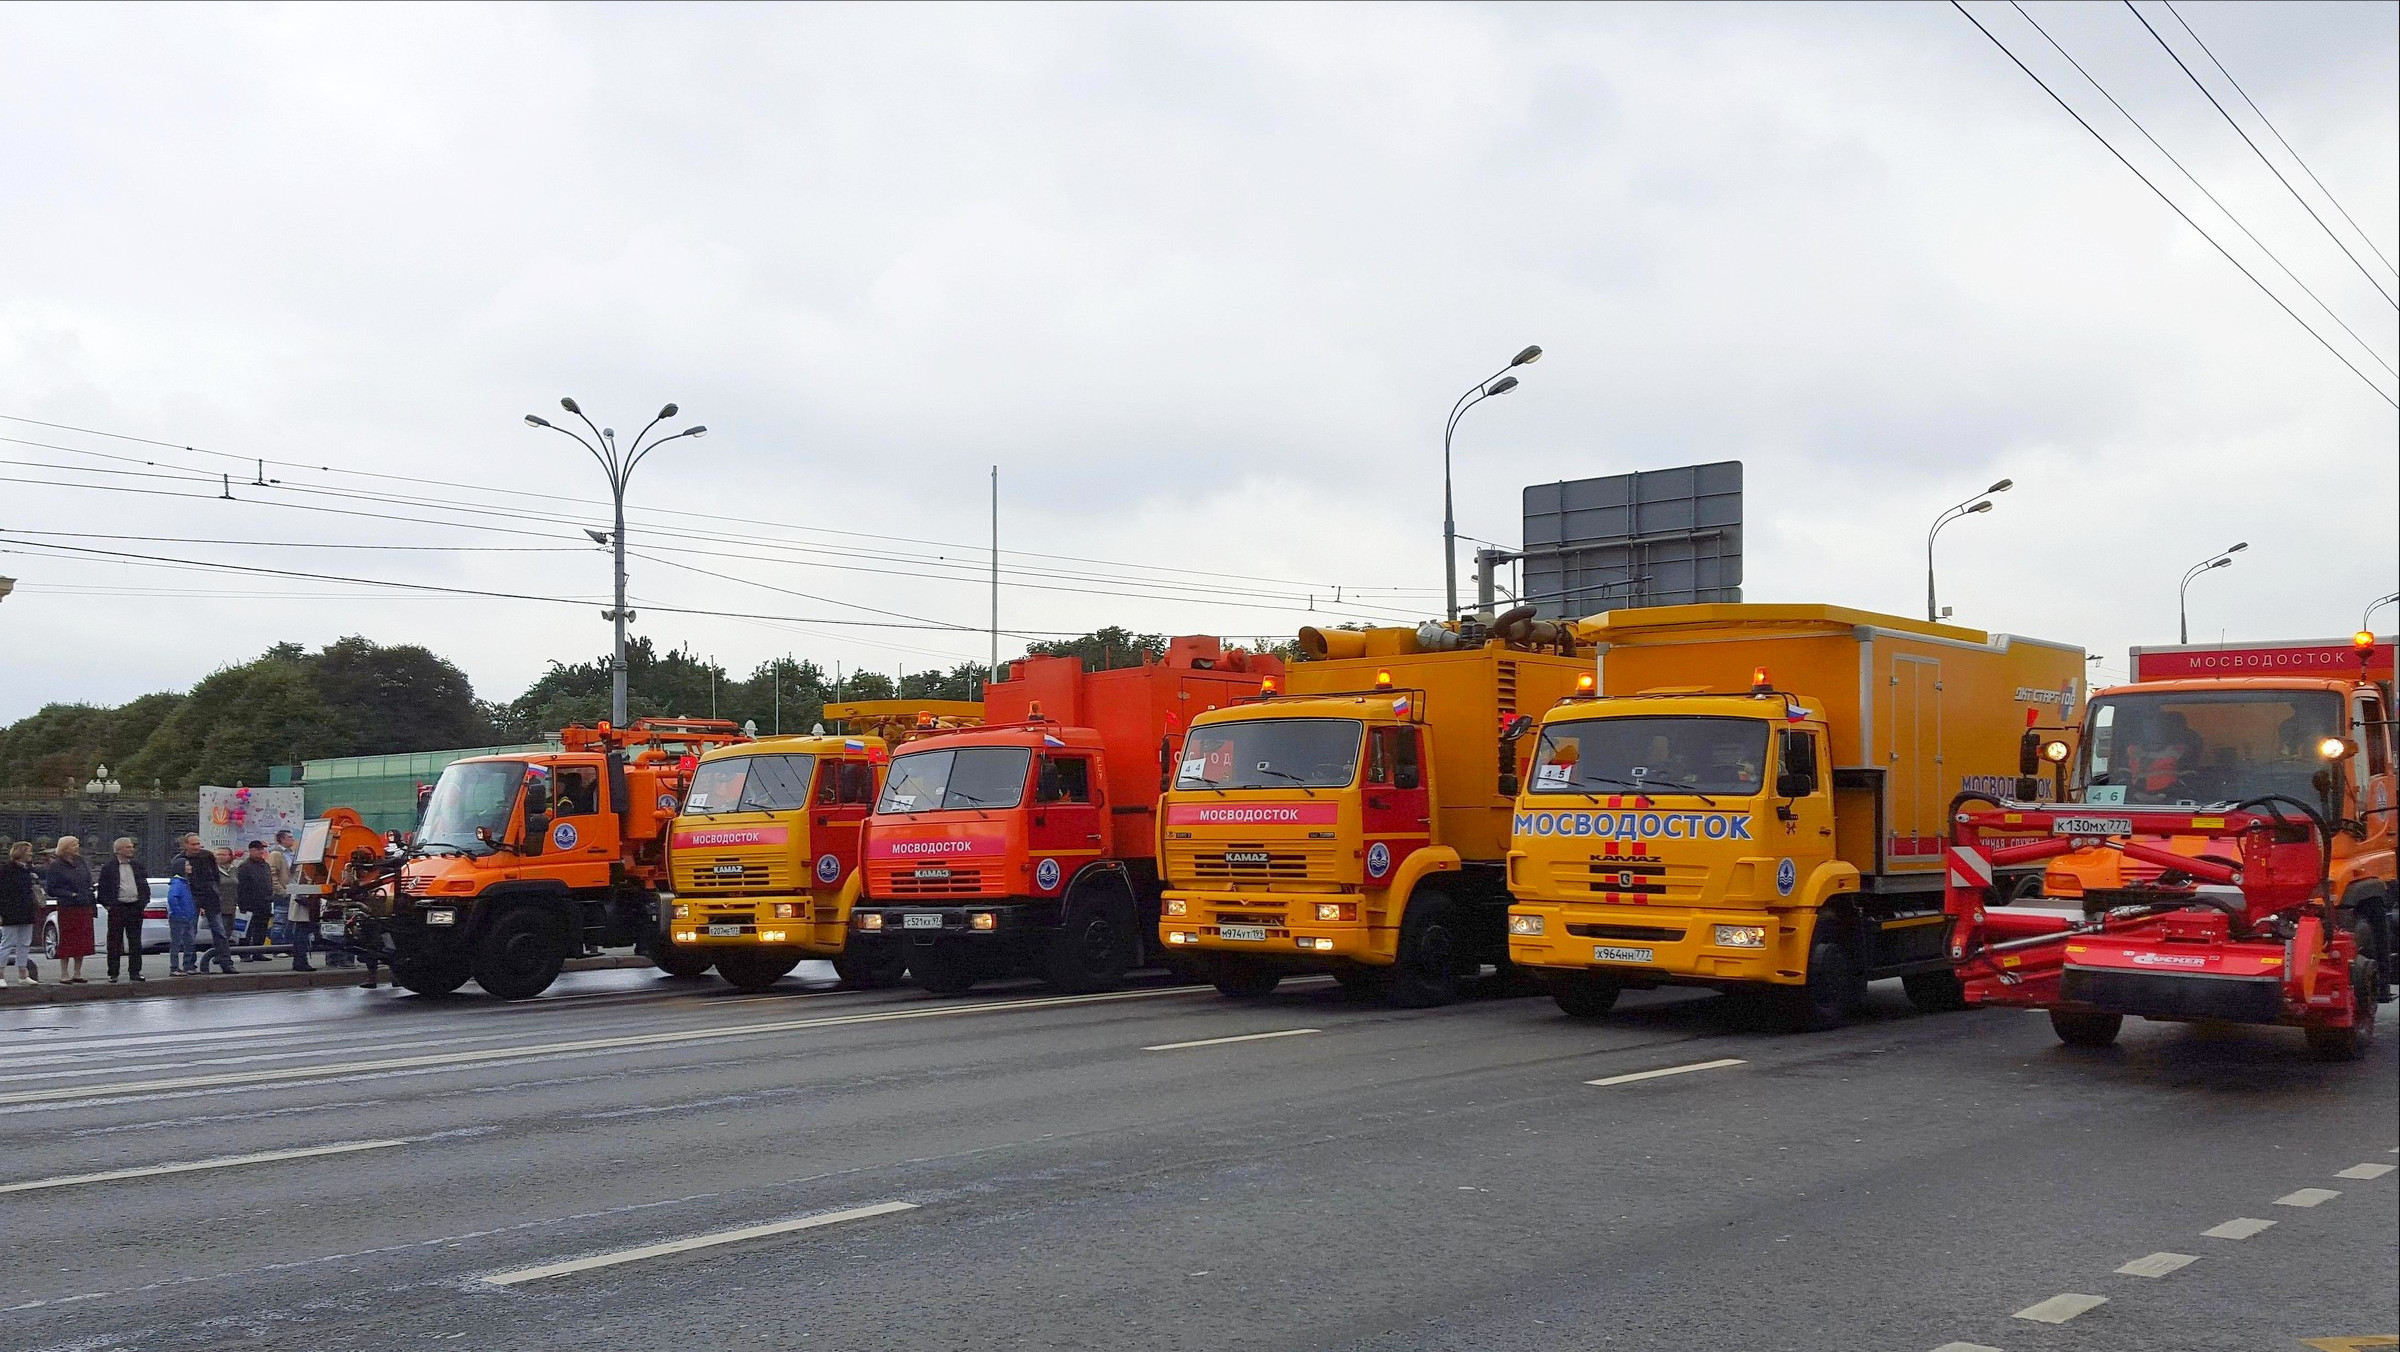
(1202, 282)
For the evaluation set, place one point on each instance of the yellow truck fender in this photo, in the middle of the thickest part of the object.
(852, 888)
(1414, 869)
(1827, 882)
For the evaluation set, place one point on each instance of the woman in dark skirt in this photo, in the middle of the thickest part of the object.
(69, 884)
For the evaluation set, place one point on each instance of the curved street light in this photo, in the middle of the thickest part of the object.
(619, 467)
(2222, 558)
(1981, 502)
(1498, 382)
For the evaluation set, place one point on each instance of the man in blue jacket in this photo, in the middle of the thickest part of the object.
(200, 870)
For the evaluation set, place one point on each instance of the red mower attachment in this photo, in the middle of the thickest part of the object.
(2241, 934)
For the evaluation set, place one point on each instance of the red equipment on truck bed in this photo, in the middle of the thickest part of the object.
(2241, 940)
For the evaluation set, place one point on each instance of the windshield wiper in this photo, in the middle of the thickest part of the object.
(1286, 774)
(1647, 789)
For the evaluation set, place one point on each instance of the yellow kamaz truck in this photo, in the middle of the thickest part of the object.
(1759, 798)
(1357, 821)
(764, 854)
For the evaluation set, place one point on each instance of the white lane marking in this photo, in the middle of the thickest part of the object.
(2365, 1171)
(1221, 1041)
(601, 1260)
(2307, 1197)
(189, 1166)
(2240, 1227)
(2158, 1264)
(449, 1059)
(1670, 1070)
(2061, 1308)
(1965, 1347)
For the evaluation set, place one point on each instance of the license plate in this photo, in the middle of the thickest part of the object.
(2091, 826)
(329, 929)
(1245, 859)
(933, 875)
(1252, 933)
(920, 921)
(727, 870)
(1606, 953)
(724, 931)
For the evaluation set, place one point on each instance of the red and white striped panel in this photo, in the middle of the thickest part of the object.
(1970, 866)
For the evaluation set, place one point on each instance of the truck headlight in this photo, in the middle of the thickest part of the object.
(1741, 936)
(770, 936)
(870, 921)
(683, 910)
(983, 920)
(1182, 937)
(1178, 906)
(1337, 910)
(441, 917)
(1527, 924)
(787, 910)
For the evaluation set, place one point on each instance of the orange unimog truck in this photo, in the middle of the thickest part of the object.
(2304, 724)
(1030, 844)
(765, 853)
(524, 860)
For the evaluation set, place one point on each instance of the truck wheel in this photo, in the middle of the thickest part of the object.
(2351, 1043)
(1585, 997)
(870, 969)
(2085, 1028)
(940, 972)
(1825, 999)
(1091, 951)
(676, 961)
(755, 969)
(1935, 992)
(521, 954)
(426, 977)
(1432, 943)
(1241, 981)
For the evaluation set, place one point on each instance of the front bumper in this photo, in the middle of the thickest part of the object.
(1278, 925)
(811, 926)
(1659, 945)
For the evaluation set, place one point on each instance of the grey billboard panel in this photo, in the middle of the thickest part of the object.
(1659, 537)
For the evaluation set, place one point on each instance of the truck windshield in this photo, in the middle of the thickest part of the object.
(2206, 746)
(1271, 753)
(749, 784)
(470, 794)
(973, 776)
(1652, 755)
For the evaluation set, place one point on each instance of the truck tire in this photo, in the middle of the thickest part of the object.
(2085, 1028)
(1935, 992)
(1822, 1001)
(755, 969)
(1093, 947)
(427, 977)
(872, 969)
(1243, 981)
(677, 961)
(2351, 1043)
(1432, 944)
(940, 972)
(521, 954)
(1585, 997)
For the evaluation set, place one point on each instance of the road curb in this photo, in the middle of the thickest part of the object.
(52, 992)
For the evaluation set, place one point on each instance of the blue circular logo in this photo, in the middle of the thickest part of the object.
(563, 836)
(829, 869)
(666, 802)
(1786, 875)
(1379, 859)
(1045, 874)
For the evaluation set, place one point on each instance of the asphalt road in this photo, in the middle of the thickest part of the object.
(635, 1162)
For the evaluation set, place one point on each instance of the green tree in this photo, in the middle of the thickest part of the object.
(1104, 649)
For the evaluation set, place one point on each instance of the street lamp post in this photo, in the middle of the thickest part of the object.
(102, 787)
(619, 467)
(1981, 502)
(2220, 559)
(1499, 382)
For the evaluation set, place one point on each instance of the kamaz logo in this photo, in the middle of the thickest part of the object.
(1635, 825)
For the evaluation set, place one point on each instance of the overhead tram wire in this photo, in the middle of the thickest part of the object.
(2363, 236)
(2222, 111)
(2094, 82)
(2172, 206)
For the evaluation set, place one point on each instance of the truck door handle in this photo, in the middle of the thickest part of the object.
(1093, 836)
(1378, 804)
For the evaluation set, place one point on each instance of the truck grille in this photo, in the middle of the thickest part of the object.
(1632, 880)
(729, 875)
(888, 880)
(1254, 861)
(1653, 933)
(415, 886)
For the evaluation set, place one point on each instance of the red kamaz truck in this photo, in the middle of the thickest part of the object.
(1030, 844)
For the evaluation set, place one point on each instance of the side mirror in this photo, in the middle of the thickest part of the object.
(537, 800)
(1795, 784)
(1516, 727)
(1046, 787)
(2029, 753)
(484, 834)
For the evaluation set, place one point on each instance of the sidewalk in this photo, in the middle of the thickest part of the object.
(52, 992)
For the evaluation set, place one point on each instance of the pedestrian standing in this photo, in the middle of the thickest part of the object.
(183, 923)
(254, 892)
(124, 893)
(282, 854)
(19, 908)
(206, 874)
(69, 883)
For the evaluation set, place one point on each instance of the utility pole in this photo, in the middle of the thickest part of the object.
(994, 669)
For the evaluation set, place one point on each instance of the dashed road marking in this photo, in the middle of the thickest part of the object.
(2366, 1171)
(674, 1246)
(1965, 1347)
(2241, 1227)
(2158, 1264)
(1670, 1070)
(1221, 1041)
(191, 1166)
(2307, 1197)
(2061, 1308)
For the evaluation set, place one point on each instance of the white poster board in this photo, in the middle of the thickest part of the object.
(232, 818)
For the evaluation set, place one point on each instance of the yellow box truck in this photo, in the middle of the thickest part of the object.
(1356, 822)
(1758, 801)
